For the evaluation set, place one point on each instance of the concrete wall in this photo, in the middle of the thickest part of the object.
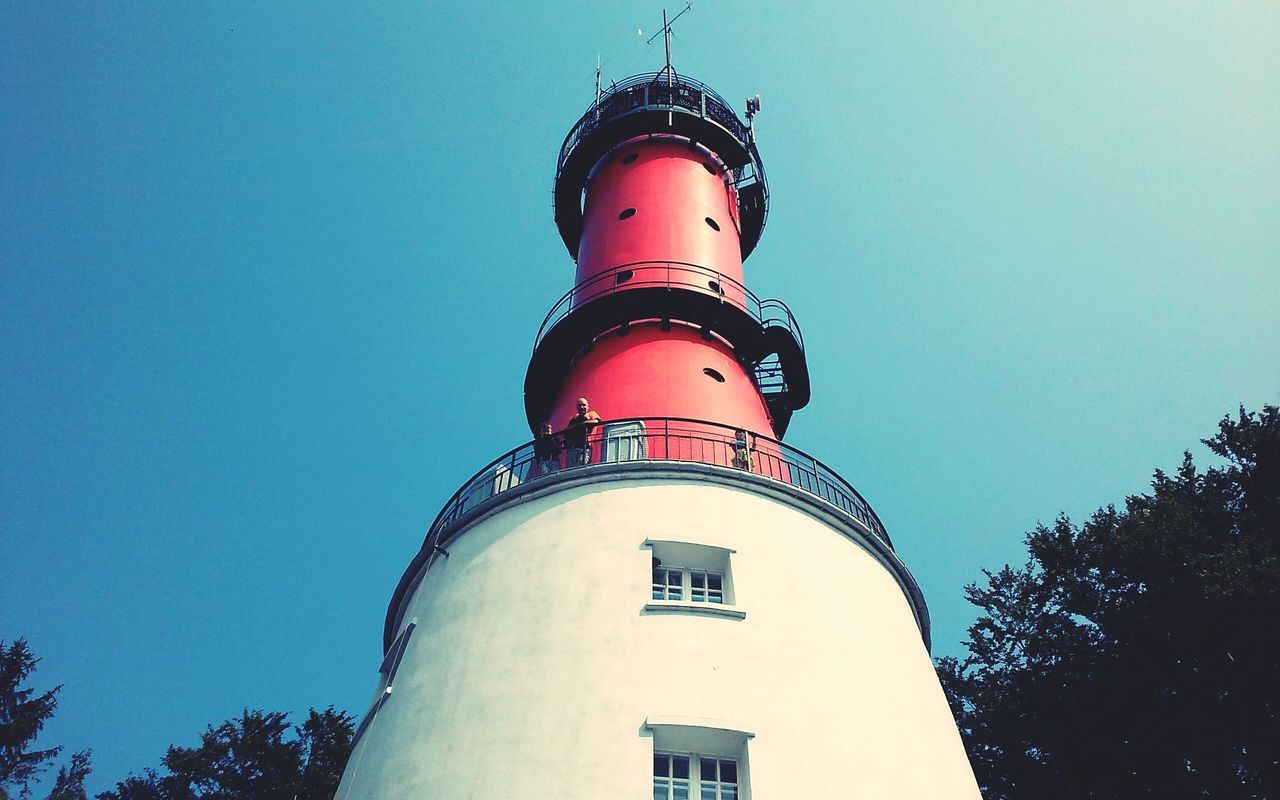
(534, 666)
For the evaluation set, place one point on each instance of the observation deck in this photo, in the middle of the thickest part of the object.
(764, 334)
(660, 103)
(637, 445)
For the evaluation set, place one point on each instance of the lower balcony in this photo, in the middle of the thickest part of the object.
(659, 440)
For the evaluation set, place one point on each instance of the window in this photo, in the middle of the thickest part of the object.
(624, 441)
(691, 578)
(697, 585)
(390, 665)
(681, 776)
(695, 758)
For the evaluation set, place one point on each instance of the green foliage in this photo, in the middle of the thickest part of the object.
(257, 756)
(1137, 655)
(69, 784)
(23, 714)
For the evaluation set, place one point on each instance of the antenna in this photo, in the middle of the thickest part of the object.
(597, 79)
(666, 34)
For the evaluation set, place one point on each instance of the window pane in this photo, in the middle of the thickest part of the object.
(661, 766)
(728, 792)
(680, 766)
(675, 577)
(715, 581)
(729, 771)
(698, 579)
(660, 790)
(680, 791)
(708, 769)
(708, 790)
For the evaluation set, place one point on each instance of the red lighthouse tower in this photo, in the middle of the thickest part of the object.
(660, 195)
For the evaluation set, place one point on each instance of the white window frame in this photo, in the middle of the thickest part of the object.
(685, 587)
(387, 678)
(698, 738)
(679, 594)
(697, 782)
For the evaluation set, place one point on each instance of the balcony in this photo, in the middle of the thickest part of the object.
(706, 283)
(763, 333)
(630, 441)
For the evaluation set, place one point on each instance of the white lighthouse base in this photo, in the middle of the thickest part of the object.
(540, 665)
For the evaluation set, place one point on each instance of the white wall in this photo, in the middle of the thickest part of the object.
(533, 667)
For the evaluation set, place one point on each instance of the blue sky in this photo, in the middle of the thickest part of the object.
(270, 273)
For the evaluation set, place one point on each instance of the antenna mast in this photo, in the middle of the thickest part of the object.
(597, 79)
(667, 33)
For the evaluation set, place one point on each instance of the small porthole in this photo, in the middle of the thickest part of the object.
(623, 277)
(713, 375)
(714, 225)
(707, 166)
(715, 287)
(629, 157)
(627, 213)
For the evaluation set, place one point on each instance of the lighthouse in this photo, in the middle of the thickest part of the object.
(660, 595)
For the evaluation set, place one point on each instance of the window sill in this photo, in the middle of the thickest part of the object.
(689, 607)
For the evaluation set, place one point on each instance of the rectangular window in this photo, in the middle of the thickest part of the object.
(706, 587)
(668, 583)
(390, 665)
(699, 585)
(692, 578)
(679, 776)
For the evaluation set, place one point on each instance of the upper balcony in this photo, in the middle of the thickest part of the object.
(707, 449)
(660, 103)
(763, 333)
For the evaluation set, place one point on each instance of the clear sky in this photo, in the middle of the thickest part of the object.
(270, 274)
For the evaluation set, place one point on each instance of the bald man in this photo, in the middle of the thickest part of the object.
(576, 432)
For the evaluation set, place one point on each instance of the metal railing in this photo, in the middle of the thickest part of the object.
(665, 91)
(655, 439)
(657, 90)
(671, 275)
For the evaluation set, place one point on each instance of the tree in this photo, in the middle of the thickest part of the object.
(253, 757)
(23, 715)
(1137, 655)
(69, 785)
(326, 744)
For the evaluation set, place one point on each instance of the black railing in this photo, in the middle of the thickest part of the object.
(654, 89)
(661, 91)
(623, 441)
(672, 275)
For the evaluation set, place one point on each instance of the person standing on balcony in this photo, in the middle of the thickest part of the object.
(741, 450)
(576, 432)
(546, 450)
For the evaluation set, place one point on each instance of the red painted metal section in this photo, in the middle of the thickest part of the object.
(649, 200)
(654, 373)
(674, 188)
